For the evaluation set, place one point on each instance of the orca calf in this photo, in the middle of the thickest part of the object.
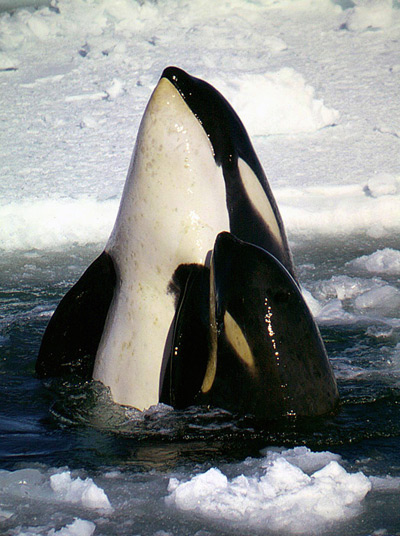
(194, 299)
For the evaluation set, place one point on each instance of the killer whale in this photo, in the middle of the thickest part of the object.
(129, 320)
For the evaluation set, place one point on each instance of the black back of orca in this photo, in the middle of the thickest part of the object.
(269, 359)
(230, 143)
(72, 336)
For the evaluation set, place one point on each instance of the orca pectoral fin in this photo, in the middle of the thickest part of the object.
(71, 339)
(270, 358)
(188, 354)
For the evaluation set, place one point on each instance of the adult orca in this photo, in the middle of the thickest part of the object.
(139, 318)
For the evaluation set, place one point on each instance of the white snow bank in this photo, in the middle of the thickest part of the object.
(336, 209)
(368, 15)
(59, 488)
(325, 6)
(53, 223)
(281, 497)
(383, 261)
(70, 17)
(126, 18)
(276, 103)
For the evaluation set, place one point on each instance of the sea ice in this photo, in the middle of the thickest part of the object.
(58, 157)
(344, 287)
(342, 299)
(383, 261)
(385, 483)
(282, 497)
(333, 313)
(302, 457)
(78, 527)
(59, 487)
(116, 89)
(79, 491)
(385, 299)
(313, 304)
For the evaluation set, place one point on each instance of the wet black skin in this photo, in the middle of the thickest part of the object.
(72, 336)
(289, 371)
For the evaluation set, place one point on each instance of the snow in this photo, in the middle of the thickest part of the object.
(281, 497)
(322, 111)
(338, 210)
(79, 491)
(7, 62)
(53, 223)
(288, 104)
(369, 15)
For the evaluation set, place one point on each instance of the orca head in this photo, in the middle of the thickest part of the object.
(221, 123)
(266, 354)
(253, 213)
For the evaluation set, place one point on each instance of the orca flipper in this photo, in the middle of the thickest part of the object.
(188, 355)
(71, 339)
(268, 358)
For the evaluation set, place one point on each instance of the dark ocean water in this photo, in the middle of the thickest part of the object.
(52, 424)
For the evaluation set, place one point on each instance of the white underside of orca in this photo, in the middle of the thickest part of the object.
(172, 208)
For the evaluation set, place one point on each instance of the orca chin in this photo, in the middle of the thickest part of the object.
(194, 299)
